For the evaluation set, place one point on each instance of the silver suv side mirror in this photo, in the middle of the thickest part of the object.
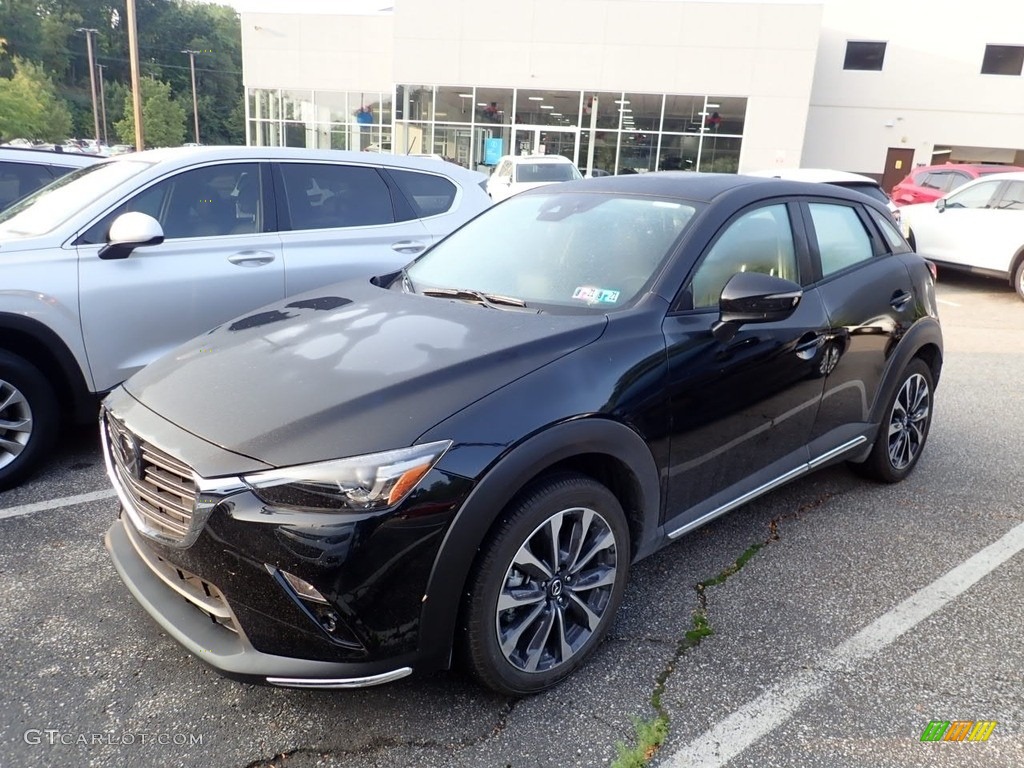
(129, 231)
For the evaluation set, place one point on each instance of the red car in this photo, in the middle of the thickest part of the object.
(930, 182)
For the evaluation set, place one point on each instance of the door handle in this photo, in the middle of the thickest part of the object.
(899, 300)
(408, 246)
(251, 258)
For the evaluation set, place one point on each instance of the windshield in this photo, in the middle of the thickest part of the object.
(580, 251)
(48, 208)
(531, 173)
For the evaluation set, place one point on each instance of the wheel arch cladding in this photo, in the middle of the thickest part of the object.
(608, 451)
(44, 349)
(924, 340)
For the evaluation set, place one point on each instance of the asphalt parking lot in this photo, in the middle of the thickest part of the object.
(825, 624)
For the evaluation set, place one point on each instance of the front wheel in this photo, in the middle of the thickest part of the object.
(547, 586)
(28, 418)
(903, 434)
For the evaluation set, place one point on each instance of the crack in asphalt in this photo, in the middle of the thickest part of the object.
(701, 623)
(381, 744)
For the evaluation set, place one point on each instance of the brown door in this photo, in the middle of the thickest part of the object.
(898, 163)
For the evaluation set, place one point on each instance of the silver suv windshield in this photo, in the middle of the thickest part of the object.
(48, 208)
(576, 251)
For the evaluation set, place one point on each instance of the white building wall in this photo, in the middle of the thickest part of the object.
(930, 91)
(318, 51)
(762, 51)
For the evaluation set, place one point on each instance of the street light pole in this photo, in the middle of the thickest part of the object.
(92, 81)
(103, 106)
(195, 99)
(133, 55)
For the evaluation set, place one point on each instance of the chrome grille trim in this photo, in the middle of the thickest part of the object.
(157, 491)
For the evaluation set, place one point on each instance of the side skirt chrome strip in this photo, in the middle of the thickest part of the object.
(771, 484)
(343, 682)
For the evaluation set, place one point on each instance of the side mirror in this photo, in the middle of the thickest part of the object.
(130, 231)
(940, 204)
(754, 297)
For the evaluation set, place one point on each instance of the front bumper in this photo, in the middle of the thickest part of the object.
(229, 652)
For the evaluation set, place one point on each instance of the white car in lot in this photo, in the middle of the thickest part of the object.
(517, 173)
(978, 228)
(111, 266)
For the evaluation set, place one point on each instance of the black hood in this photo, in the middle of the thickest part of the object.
(348, 369)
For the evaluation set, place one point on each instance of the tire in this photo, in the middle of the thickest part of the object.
(528, 628)
(28, 418)
(1018, 279)
(904, 431)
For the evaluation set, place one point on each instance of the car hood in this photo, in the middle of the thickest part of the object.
(347, 370)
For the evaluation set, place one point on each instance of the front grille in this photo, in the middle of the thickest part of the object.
(159, 487)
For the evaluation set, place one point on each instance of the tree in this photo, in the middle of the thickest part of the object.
(30, 107)
(163, 118)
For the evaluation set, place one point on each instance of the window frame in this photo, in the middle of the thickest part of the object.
(879, 248)
(996, 53)
(682, 302)
(864, 53)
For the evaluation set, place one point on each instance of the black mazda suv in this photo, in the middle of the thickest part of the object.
(462, 460)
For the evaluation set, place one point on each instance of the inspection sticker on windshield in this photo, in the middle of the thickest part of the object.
(595, 295)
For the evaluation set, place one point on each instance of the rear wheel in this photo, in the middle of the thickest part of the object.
(905, 428)
(1018, 279)
(547, 586)
(28, 418)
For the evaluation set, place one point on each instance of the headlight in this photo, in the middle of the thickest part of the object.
(359, 484)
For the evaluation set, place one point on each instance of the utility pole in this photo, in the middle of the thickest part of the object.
(92, 81)
(195, 99)
(103, 105)
(133, 55)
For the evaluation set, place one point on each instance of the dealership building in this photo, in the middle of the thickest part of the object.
(628, 86)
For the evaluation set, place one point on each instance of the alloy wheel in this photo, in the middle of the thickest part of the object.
(15, 423)
(556, 589)
(908, 423)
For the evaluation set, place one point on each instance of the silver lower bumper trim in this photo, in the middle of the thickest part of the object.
(343, 682)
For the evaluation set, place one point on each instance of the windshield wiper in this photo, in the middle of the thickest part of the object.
(492, 300)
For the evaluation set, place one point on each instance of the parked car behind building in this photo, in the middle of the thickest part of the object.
(113, 265)
(468, 455)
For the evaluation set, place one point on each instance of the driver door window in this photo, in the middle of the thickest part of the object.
(758, 241)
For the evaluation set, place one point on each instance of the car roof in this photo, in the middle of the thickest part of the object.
(184, 156)
(48, 157)
(968, 167)
(820, 175)
(700, 187)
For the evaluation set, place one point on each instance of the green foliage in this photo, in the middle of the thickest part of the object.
(45, 33)
(29, 106)
(163, 118)
(649, 736)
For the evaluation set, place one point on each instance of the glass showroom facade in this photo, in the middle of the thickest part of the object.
(603, 131)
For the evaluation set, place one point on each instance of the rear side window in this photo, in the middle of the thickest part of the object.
(18, 179)
(842, 239)
(1013, 197)
(429, 195)
(327, 196)
(892, 236)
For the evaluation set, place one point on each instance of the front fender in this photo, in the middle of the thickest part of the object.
(499, 485)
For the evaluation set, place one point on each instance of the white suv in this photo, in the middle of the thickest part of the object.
(517, 173)
(113, 265)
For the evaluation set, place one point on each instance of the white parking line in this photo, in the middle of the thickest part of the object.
(66, 501)
(948, 302)
(759, 717)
